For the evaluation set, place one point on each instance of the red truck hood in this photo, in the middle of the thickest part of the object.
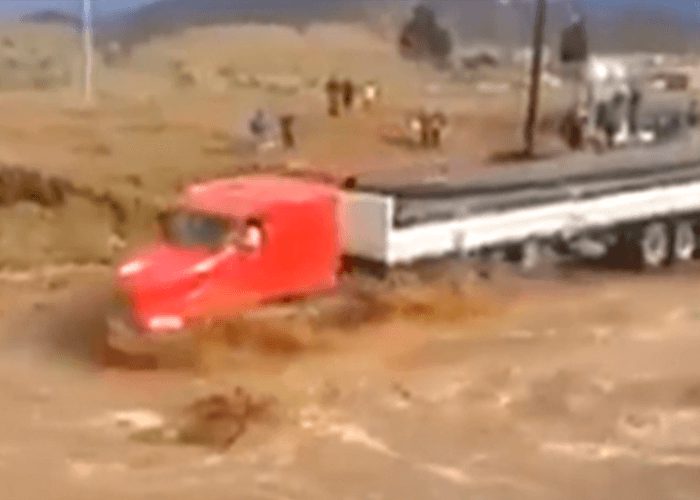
(160, 265)
(162, 281)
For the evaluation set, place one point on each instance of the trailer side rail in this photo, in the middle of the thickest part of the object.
(370, 233)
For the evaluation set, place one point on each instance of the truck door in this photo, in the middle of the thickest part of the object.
(254, 250)
(232, 278)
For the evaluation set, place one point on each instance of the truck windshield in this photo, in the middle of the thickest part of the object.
(190, 229)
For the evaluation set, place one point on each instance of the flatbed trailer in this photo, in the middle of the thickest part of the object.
(611, 200)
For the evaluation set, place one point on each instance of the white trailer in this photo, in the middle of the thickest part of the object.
(642, 205)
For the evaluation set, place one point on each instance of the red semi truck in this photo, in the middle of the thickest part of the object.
(230, 245)
(225, 247)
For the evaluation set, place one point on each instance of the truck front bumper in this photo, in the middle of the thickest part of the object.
(124, 336)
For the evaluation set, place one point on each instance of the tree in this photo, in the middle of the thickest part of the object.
(423, 39)
(441, 46)
(574, 43)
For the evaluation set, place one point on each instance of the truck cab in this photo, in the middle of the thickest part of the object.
(227, 246)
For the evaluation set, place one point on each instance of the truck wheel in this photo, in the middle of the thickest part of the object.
(654, 246)
(684, 241)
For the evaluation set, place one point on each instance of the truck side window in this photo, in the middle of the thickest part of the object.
(253, 236)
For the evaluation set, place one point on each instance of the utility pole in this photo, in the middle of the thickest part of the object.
(505, 28)
(88, 52)
(535, 77)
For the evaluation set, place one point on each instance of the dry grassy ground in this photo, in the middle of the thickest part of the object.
(177, 110)
(173, 129)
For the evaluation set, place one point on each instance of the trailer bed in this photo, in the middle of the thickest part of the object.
(498, 187)
(467, 209)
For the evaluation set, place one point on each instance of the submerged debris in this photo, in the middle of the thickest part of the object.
(214, 421)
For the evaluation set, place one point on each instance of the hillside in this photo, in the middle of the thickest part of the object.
(172, 16)
(54, 17)
(614, 25)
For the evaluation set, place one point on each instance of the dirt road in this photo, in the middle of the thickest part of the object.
(587, 388)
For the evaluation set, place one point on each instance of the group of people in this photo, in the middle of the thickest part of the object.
(430, 127)
(269, 130)
(604, 121)
(342, 95)
(618, 118)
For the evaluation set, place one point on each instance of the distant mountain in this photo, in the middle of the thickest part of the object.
(53, 17)
(614, 24)
(171, 16)
(649, 28)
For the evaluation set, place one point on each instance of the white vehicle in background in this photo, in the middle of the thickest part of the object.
(622, 102)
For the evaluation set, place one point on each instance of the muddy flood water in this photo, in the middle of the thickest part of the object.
(585, 388)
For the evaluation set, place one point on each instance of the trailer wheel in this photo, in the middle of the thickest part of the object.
(654, 246)
(684, 241)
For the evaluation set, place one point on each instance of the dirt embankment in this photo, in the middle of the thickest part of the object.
(48, 220)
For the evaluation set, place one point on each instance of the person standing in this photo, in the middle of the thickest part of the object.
(635, 102)
(436, 124)
(421, 124)
(348, 91)
(333, 94)
(258, 128)
(616, 117)
(370, 94)
(286, 130)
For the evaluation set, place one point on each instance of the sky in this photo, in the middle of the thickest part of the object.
(105, 7)
(18, 7)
